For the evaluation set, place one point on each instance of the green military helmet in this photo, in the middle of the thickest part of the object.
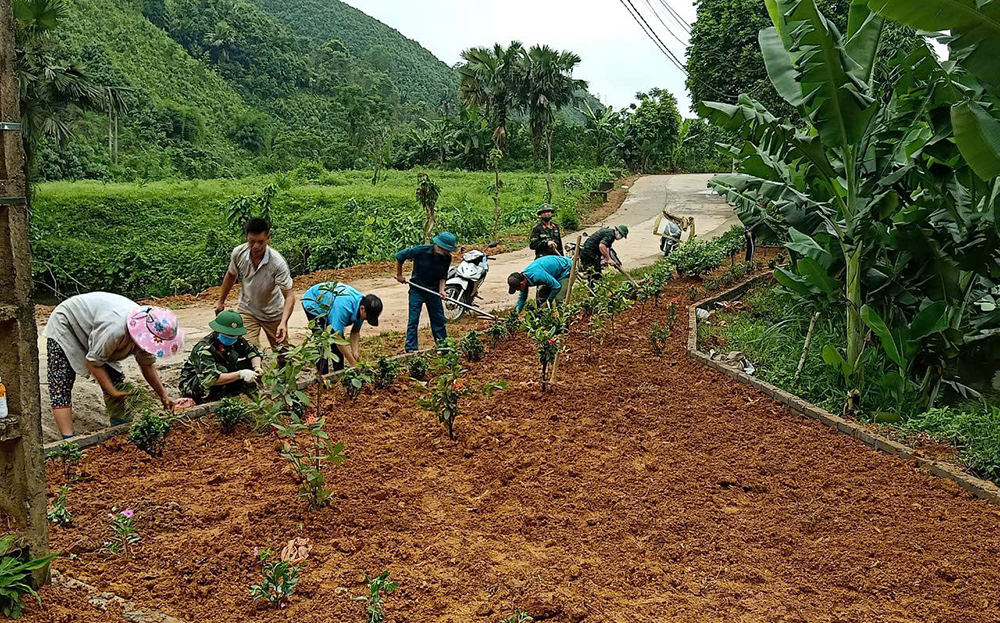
(623, 229)
(228, 323)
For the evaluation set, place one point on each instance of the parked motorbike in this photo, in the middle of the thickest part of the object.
(464, 281)
(670, 236)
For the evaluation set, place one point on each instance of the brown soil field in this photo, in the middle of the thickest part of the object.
(640, 488)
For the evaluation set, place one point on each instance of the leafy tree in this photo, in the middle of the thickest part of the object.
(600, 129)
(549, 86)
(647, 134)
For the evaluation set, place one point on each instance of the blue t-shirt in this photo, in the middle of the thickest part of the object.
(429, 268)
(340, 303)
(546, 271)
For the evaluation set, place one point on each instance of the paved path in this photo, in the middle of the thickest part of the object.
(684, 195)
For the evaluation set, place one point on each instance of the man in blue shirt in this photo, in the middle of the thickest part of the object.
(338, 305)
(549, 274)
(430, 269)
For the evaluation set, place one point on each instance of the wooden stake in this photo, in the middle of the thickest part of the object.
(569, 295)
(805, 349)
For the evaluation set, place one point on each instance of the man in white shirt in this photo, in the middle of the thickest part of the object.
(266, 297)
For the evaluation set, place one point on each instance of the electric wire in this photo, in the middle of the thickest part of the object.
(660, 19)
(683, 23)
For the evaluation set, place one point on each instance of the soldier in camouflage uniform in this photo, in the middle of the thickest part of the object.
(222, 364)
(545, 238)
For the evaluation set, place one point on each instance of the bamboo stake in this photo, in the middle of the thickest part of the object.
(805, 349)
(569, 295)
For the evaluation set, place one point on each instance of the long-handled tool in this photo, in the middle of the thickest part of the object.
(471, 308)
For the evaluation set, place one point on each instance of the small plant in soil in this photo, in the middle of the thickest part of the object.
(149, 433)
(378, 589)
(355, 379)
(649, 289)
(658, 337)
(59, 514)
(386, 371)
(546, 330)
(308, 448)
(278, 578)
(512, 322)
(69, 455)
(444, 394)
(15, 580)
(672, 312)
(693, 293)
(518, 617)
(280, 381)
(138, 401)
(230, 413)
(472, 346)
(497, 333)
(417, 367)
(124, 532)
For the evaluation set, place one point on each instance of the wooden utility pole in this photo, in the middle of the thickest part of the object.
(22, 467)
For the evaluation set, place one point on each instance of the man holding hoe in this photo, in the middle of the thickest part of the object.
(338, 306)
(549, 274)
(266, 299)
(598, 247)
(430, 269)
(222, 364)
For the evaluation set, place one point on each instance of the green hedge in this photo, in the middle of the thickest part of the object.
(166, 237)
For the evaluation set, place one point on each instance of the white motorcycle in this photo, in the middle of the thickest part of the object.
(464, 281)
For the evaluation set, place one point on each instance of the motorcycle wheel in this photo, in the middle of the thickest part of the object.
(452, 311)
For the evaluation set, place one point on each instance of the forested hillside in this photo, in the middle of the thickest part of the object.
(420, 76)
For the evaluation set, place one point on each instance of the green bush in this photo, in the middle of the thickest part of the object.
(14, 580)
(355, 379)
(977, 433)
(696, 257)
(386, 371)
(230, 413)
(418, 368)
(149, 433)
(472, 346)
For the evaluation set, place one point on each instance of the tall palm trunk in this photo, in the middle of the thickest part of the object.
(548, 173)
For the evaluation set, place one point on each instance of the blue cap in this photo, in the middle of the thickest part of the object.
(446, 240)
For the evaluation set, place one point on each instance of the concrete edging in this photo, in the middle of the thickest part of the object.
(103, 434)
(978, 487)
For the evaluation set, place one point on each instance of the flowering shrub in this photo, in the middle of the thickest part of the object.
(60, 514)
(125, 533)
(449, 388)
(546, 329)
(309, 458)
(278, 580)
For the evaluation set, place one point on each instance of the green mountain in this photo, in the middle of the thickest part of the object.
(418, 73)
(228, 88)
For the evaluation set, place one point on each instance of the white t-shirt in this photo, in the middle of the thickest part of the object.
(94, 327)
(261, 295)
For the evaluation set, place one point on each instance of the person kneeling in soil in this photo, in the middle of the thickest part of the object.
(89, 334)
(597, 248)
(549, 274)
(338, 306)
(222, 364)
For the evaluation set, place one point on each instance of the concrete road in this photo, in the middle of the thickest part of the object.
(683, 195)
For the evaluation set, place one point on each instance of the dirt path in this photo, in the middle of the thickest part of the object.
(643, 489)
(682, 194)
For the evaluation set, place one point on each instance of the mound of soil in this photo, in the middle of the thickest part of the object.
(640, 488)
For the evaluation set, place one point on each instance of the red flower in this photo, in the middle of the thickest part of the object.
(458, 385)
(552, 341)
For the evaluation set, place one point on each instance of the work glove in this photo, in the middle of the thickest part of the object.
(248, 376)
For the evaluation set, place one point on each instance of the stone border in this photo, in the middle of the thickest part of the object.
(978, 487)
(103, 434)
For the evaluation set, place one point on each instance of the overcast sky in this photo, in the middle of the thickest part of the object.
(618, 59)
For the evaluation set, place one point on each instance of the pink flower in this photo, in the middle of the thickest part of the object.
(127, 513)
(256, 552)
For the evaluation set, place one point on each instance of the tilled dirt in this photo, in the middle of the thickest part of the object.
(641, 488)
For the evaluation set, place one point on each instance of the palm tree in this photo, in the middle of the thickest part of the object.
(53, 93)
(600, 125)
(548, 86)
(220, 41)
(491, 80)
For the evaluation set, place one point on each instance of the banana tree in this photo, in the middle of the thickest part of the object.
(974, 43)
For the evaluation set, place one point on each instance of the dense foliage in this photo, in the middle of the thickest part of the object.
(889, 201)
(86, 236)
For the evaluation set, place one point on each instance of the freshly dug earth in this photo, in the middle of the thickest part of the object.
(642, 488)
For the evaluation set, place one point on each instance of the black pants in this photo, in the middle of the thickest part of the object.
(591, 266)
(323, 366)
(751, 247)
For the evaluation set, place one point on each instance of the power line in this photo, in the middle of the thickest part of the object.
(655, 13)
(676, 16)
(663, 46)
